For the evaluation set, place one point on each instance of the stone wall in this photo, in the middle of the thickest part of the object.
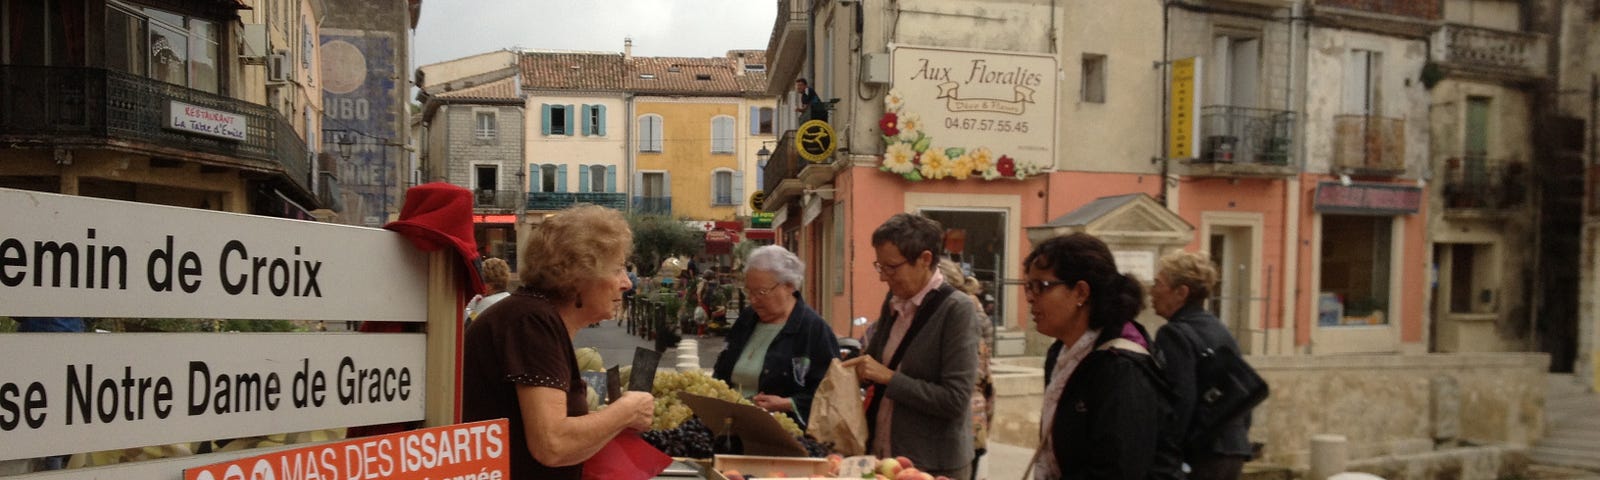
(1385, 404)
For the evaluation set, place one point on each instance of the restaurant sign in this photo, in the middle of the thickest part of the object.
(213, 123)
(1368, 199)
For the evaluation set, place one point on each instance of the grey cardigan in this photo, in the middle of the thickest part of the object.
(932, 386)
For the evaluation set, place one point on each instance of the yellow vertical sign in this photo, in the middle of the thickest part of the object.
(1183, 122)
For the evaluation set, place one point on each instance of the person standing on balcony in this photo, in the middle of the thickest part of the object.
(811, 106)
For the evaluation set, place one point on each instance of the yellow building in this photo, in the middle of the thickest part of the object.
(692, 127)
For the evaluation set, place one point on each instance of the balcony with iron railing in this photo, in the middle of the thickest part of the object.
(496, 200)
(1475, 182)
(652, 206)
(782, 173)
(1242, 141)
(1369, 145)
(549, 201)
(88, 107)
(1489, 51)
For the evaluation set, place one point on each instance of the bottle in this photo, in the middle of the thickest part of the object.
(727, 443)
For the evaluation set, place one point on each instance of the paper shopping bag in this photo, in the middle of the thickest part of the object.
(837, 416)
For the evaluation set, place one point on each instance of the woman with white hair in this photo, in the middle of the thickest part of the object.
(780, 348)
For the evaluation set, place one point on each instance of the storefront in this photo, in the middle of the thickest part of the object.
(497, 237)
(1368, 274)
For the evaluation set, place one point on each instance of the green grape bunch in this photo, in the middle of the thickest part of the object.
(671, 412)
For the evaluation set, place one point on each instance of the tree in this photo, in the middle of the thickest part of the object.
(657, 237)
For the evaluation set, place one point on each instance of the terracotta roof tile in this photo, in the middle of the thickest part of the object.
(572, 71)
(503, 89)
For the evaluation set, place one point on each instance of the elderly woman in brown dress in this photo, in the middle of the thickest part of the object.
(520, 363)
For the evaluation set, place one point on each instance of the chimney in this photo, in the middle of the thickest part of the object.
(740, 67)
(627, 48)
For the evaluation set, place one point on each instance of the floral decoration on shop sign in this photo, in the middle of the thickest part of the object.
(911, 153)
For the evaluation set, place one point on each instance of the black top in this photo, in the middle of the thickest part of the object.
(1113, 420)
(1180, 358)
(522, 341)
(804, 335)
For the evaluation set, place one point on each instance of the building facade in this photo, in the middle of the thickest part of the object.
(365, 52)
(196, 120)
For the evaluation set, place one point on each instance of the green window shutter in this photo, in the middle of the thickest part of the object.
(561, 179)
(545, 117)
(571, 114)
(601, 111)
(583, 117)
(533, 177)
(611, 178)
(583, 179)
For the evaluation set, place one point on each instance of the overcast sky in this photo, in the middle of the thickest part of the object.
(451, 29)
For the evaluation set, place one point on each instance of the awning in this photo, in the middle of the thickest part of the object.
(761, 234)
(494, 219)
(720, 242)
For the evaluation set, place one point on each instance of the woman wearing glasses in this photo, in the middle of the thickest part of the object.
(1106, 405)
(779, 348)
(922, 357)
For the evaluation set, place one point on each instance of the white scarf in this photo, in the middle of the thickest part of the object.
(1047, 467)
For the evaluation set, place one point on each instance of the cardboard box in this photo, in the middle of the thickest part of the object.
(761, 466)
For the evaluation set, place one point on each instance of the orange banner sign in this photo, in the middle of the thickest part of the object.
(469, 450)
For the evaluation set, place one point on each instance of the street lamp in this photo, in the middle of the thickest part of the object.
(762, 155)
(346, 145)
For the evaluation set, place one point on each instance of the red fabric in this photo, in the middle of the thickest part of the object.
(626, 457)
(438, 215)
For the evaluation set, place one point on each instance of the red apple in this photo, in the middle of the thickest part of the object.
(904, 462)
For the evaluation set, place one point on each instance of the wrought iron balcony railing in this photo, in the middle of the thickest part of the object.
(497, 199)
(1246, 135)
(557, 201)
(1490, 50)
(652, 205)
(68, 103)
(1475, 182)
(1369, 145)
(784, 164)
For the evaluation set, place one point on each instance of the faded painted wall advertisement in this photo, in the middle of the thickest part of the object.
(958, 114)
(360, 82)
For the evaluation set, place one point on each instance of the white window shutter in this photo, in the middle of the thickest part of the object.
(738, 188)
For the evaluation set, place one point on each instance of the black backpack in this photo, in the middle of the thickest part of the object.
(1226, 387)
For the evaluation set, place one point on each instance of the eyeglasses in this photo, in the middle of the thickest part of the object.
(881, 268)
(762, 292)
(1037, 287)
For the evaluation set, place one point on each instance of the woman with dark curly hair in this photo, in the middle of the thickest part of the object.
(1106, 405)
(519, 362)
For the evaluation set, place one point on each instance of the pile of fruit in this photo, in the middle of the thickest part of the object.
(871, 468)
(677, 433)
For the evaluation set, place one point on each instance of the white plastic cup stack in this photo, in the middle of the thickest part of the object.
(688, 355)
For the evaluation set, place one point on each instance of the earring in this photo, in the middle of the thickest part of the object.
(1080, 304)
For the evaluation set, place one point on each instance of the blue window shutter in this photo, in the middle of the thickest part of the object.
(755, 120)
(601, 110)
(571, 114)
(533, 177)
(583, 179)
(561, 179)
(738, 188)
(611, 179)
(545, 116)
(583, 119)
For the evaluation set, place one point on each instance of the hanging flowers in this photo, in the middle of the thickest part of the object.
(910, 152)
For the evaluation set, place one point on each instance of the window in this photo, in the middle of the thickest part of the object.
(654, 184)
(1469, 275)
(1235, 81)
(1093, 89)
(485, 129)
(1355, 270)
(650, 133)
(598, 178)
(722, 187)
(1361, 82)
(558, 119)
(594, 120)
(722, 134)
(182, 50)
(485, 179)
(761, 120)
(547, 178)
(42, 32)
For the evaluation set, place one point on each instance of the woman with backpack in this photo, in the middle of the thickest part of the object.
(1106, 408)
(1179, 294)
